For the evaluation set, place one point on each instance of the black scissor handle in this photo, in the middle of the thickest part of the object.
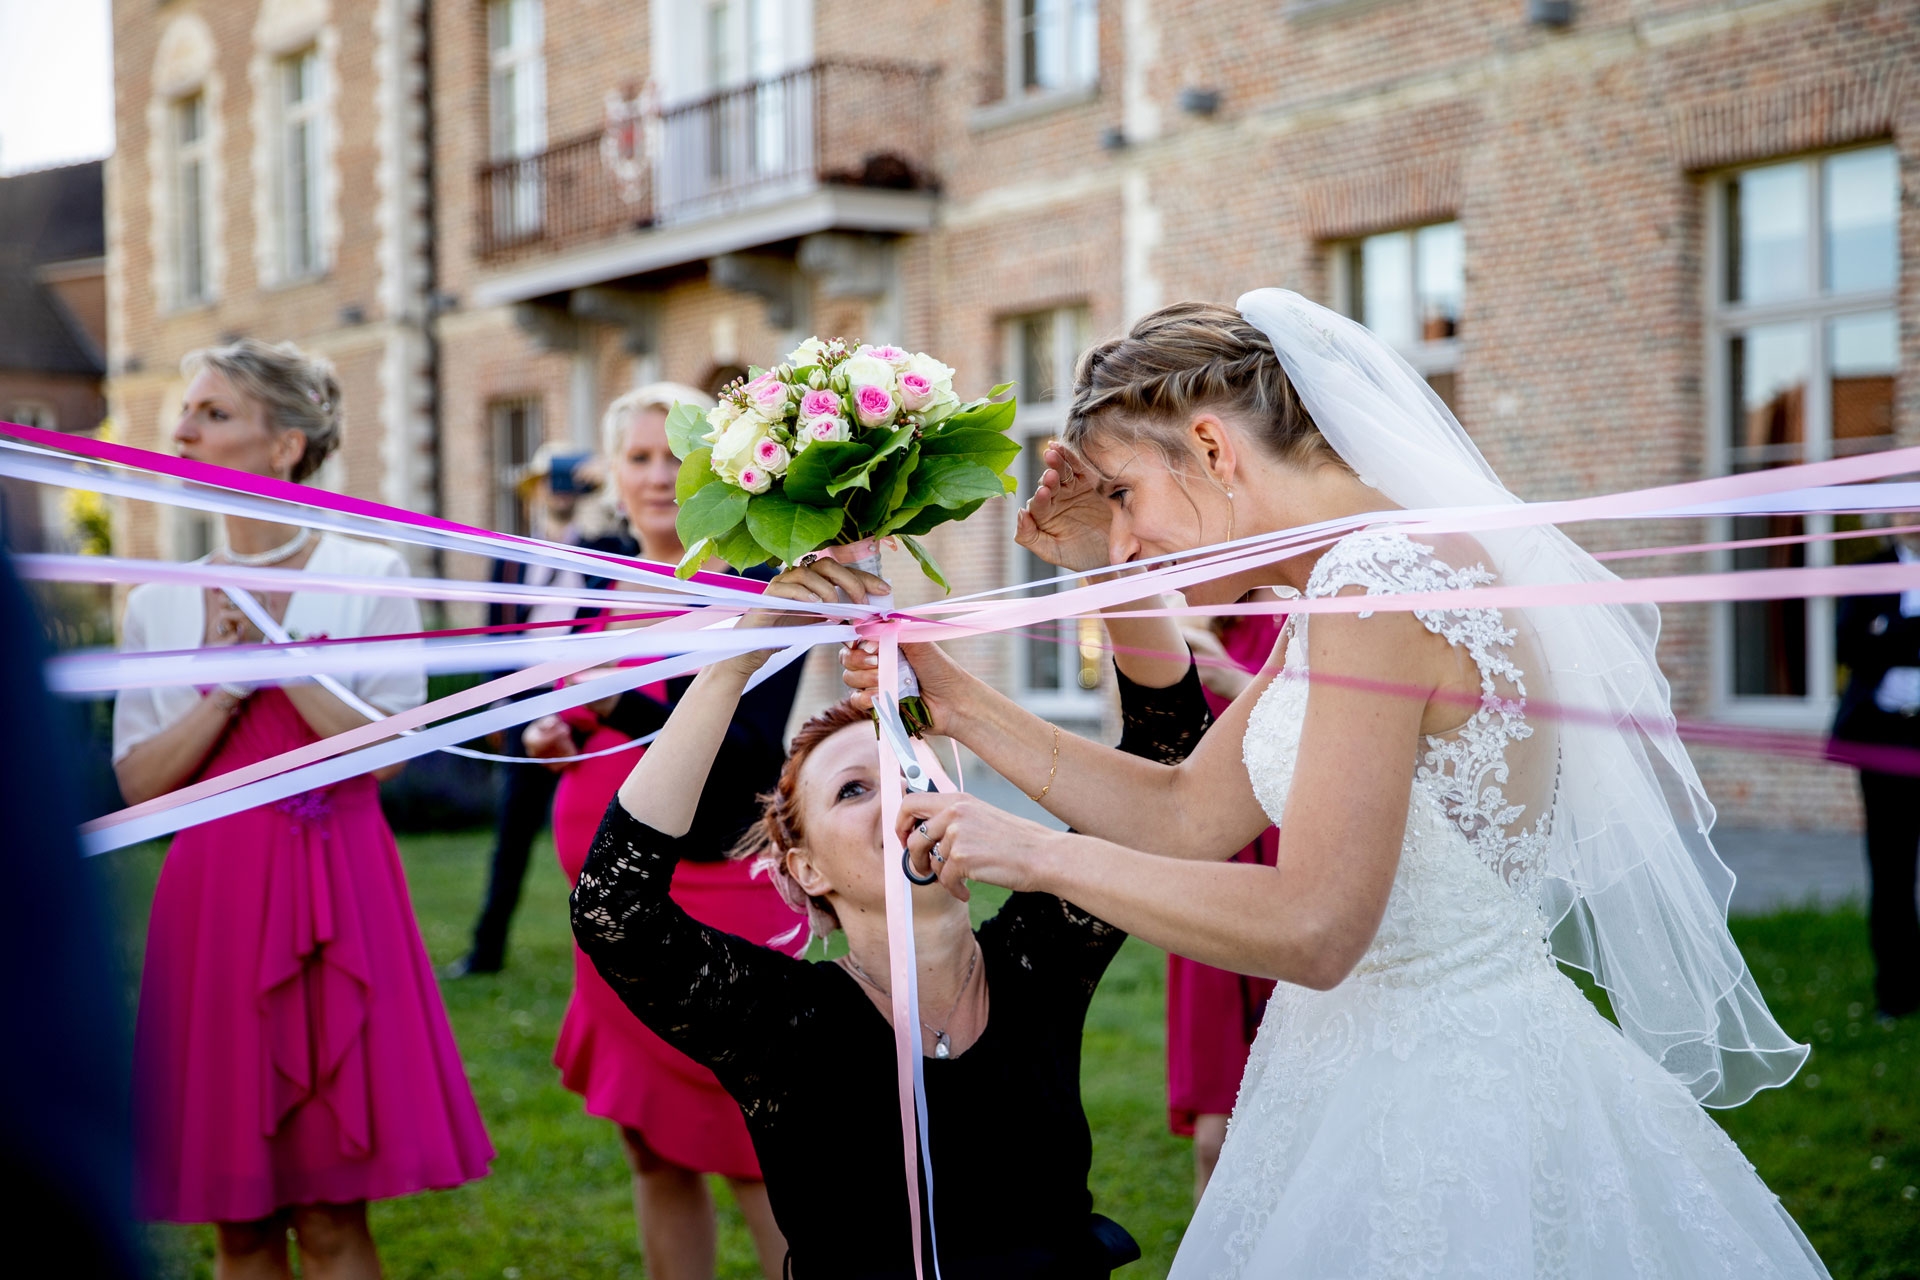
(906, 865)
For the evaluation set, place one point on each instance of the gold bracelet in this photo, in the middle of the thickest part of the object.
(1053, 769)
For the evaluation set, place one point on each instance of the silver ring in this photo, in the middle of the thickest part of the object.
(807, 560)
(935, 854)
(921, 827)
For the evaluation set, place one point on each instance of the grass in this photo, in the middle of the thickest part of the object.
(1841, 1145)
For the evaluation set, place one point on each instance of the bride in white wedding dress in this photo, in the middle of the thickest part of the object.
(1465, 795)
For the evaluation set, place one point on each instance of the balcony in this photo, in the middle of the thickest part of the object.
(838, 125)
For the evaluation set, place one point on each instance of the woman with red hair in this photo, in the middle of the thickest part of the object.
(807, 1049)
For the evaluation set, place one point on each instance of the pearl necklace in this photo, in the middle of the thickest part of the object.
(942, 1042)
(273, 555)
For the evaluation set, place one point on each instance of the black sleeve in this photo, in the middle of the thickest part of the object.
(715, 997)
(1051, 935)
(1163, 724)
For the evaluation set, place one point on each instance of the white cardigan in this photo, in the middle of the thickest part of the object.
(163, 616)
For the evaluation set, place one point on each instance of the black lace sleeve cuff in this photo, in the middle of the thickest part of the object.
(696, 987)
(1162, 724)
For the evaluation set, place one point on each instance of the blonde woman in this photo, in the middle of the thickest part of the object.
(677, 1125)
(292, 1059)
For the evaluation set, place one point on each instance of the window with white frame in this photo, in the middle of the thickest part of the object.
(192, 196)
(516, 113)
(1058, 665)
(300, 164)
(1804, 346)
(517, 433)
(1408, 286)
(1052, 45)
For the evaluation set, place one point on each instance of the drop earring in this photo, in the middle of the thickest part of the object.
(1229, 515)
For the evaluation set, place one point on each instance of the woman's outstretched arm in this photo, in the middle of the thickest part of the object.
(1307, 920)
(664, 788)
(1201, 808)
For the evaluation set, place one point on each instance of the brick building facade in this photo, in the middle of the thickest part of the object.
(1657, 240)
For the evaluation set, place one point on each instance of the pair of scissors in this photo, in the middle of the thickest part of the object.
(894, 730)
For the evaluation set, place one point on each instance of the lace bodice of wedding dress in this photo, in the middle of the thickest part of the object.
(1456, 1107)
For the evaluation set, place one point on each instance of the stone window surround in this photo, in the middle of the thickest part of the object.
(184, 65)
(1343, 210)
(1016, 105)
(286, 28)
(1038, 422)
(1814, 710)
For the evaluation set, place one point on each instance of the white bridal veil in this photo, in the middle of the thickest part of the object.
(1632, 887)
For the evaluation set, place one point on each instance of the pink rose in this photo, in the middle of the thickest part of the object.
(768, 394)
(872, 406)
(754, 480)
(916, 392)
(820, 404)
(892, 355)
(771, 456)
(826, 430)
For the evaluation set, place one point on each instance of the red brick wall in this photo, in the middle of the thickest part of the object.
(1573, 160)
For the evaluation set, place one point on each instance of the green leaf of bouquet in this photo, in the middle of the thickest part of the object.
(860, 476)
(951, 482)
(928, 565)
(711, 513)
(740, 548)
(696, 473)
(939, 413)
(999, 391)
(900, 519)
(788, 529)
(812, 470)
(686, 423)
(930, 518)
(988, 448)
(886, 489)
(987, 416)
(697, 553)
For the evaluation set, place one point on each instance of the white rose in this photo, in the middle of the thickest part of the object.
(719, 418)
(734, 448)
(940, 375)
(865, 371)
(810, 352)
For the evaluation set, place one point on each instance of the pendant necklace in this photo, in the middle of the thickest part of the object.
(272, 555)
(942, 1042)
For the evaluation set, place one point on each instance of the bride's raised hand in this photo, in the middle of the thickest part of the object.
(1066, 521)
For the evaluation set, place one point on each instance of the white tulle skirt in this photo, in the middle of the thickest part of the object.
(1493, 1124)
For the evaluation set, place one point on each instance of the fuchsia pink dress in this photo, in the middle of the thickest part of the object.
(1212, 1014)
(291, 1046)
(623, 1071)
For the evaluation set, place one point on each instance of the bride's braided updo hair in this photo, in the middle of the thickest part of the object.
(1178, 361)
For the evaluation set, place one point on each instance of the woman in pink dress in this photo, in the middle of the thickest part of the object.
(1212, 1014)
(676, 1123)
(292, 1059)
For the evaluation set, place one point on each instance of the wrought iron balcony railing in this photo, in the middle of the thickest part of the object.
(835, 123)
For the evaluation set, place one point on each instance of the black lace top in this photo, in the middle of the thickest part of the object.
(810, 1059)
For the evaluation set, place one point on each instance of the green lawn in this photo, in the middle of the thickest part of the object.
(1841, 1144)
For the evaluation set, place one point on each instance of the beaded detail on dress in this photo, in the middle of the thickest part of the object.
(1466, 770)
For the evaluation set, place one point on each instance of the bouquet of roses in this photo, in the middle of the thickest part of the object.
(839, 446)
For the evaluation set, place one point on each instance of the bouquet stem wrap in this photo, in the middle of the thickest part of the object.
(865, 556)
